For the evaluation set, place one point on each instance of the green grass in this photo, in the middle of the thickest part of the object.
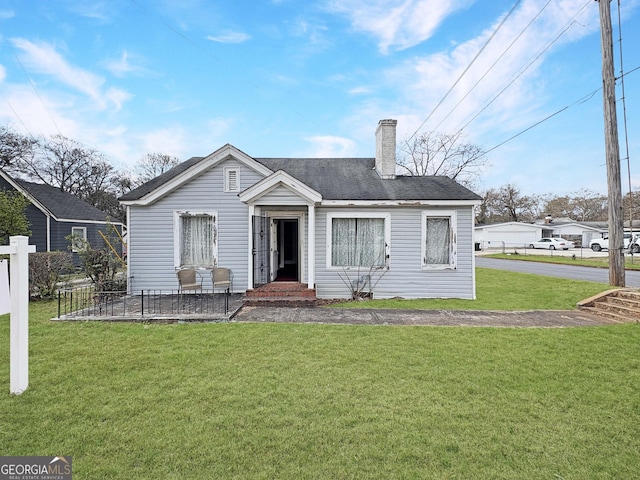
(503, 290)
(630, 263)
(263, 401)
(291, 401)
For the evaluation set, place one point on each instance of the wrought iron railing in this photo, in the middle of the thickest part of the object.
(86, 302)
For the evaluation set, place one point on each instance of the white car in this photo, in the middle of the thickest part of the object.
(599, 244)
(555, 243)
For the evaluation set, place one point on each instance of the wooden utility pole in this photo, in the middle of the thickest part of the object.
(614, 184)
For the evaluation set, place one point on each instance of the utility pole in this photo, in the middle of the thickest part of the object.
(612, 147)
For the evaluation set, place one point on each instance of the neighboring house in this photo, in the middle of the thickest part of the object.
(323, 222)
(507, 235)
(53, 215)
(520, 235)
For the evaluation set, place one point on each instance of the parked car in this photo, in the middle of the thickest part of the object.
(599, 244)
(555, 243)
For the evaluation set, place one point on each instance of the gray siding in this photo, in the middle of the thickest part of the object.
(405, 277)
(280, 196)
(151, 249)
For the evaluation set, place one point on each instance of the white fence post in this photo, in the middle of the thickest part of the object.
(19, 250)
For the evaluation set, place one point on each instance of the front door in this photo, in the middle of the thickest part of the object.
(261, 250)
(285, 265)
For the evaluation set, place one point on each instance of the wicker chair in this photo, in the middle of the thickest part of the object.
(222, 278)
(189, 279)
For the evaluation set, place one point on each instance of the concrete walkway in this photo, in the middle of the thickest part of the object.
(458, 318)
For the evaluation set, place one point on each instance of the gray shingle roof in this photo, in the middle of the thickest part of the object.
(61, 204)
(356, 179)
(340, 179)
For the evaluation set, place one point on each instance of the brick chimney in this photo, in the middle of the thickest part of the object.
(386, 148)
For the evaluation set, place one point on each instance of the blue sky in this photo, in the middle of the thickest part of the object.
(304, 78)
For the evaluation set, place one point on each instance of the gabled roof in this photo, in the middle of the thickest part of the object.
(280, 178)
(182, 173)
(335, 179)
(56, 203)
(357, 179)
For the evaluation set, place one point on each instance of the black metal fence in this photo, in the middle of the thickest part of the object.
(85, 302)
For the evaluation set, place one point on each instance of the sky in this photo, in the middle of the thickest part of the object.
(312, 78)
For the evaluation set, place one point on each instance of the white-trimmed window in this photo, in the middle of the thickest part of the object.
(358, 240)
(195, 239)
(231, 179)
(78, 238)
(439, 239)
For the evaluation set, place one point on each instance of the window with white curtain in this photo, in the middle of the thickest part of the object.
(439, 239)
(195, 239)
(358, 241)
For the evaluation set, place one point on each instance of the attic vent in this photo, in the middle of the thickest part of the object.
(231, 179)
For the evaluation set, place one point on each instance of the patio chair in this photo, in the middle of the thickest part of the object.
(189, 279)
(222, 278)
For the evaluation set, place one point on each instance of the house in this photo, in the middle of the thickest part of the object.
(53, 215)
(520, 234)
(328, 223)
(507, 235)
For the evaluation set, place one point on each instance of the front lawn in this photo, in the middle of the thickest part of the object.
(292, 401)
(503, 290)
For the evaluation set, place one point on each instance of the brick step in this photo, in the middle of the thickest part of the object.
(280, 302)
(617, 305)
(613, 317)
(620, 308)
(282, 289)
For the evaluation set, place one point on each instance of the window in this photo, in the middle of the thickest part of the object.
(439, 239)
(358, 241)
(195, 239)
(231, 179)
(78, 238)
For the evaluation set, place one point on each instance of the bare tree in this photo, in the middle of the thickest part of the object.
(64, 163)
(507, 204)
(153, 164)
(14, 147)
(445, 154)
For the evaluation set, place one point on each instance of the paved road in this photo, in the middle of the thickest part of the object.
(553, 270)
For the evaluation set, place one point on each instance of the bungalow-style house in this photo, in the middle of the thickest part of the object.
(54, 215)
(323, 222)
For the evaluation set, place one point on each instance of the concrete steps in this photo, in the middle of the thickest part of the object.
(281, 294)
(619, 305)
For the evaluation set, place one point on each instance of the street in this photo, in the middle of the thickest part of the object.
(563, 271)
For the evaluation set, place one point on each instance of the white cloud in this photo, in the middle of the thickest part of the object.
(7, 14)
(325, 146)
(44, 59)
(3, 73)
(122, 66)
(361, 90)
(397, 24)
(230, 37)
(425, 80)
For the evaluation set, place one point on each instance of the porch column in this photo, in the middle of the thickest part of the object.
(311, 247)
(252, 212)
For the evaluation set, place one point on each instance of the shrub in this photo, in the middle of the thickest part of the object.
(101, 265)
(45, 271)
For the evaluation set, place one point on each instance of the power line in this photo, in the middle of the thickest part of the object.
(525, 68)
(466, 69)
(580, 101)
(35, 89)
(494, 64)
